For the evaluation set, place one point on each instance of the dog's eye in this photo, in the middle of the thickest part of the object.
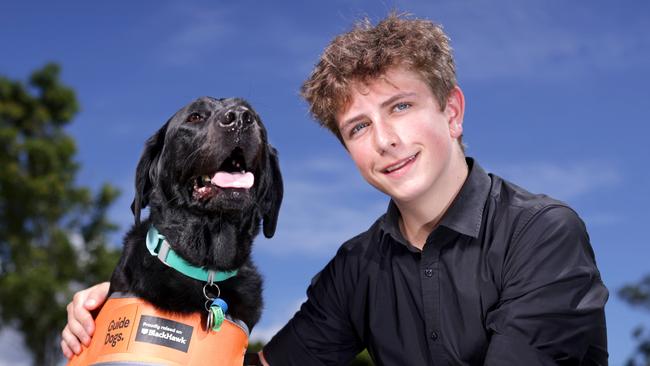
(194, 117)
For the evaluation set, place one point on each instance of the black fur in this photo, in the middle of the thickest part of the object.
(214, 233)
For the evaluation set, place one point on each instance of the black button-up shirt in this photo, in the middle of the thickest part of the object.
(506, 278)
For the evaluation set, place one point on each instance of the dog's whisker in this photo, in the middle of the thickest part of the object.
(189, 159)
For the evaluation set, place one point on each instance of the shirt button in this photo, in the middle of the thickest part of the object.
(428, 272)
(434, 335)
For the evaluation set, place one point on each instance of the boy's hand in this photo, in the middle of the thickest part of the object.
(255, 359)
(262, 359)
(81, 324)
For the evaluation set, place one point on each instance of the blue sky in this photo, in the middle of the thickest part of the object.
(557, 101)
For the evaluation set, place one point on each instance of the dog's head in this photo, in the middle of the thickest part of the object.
(211, 160)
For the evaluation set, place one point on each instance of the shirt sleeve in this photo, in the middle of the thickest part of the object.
(551, 308)
(320, 333)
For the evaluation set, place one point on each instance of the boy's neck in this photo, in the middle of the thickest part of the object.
(421, 216)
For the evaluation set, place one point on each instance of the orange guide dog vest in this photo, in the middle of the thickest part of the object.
(130, 331)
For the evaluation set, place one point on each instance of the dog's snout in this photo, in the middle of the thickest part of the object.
(237, 117)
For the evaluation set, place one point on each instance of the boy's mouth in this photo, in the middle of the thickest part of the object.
(400, 164)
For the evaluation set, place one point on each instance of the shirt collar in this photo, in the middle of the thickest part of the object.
(466, 212)
(464, 215)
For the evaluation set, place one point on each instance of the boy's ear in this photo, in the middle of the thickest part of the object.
(455, 111)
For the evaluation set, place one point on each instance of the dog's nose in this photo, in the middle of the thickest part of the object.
(237, 117)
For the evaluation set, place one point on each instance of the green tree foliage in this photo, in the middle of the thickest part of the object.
(638, 295)
(53, 231)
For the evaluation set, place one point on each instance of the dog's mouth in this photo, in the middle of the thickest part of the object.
(231, 175)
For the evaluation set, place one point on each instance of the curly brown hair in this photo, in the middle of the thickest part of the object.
(367, 52)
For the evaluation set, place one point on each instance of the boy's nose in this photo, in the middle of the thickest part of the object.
(385, 138)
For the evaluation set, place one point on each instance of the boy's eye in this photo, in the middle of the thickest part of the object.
(401, 106)
(358, 127)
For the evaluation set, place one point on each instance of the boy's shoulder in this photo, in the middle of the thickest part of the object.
(518, 208)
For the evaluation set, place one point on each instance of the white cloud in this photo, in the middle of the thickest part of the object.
(197, 34)
(604, 219)
(300, 47)
(565, 181)
(538, 40)
(312, 225)
(326, 202)
(264, 333)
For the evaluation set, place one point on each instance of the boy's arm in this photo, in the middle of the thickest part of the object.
(321, 332)
(81, 325)
(551, 308)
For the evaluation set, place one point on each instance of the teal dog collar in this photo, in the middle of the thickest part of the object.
(159, 247)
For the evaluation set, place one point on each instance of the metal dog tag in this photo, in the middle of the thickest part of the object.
(210, 321)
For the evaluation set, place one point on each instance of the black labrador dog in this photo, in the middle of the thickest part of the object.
(211, 180)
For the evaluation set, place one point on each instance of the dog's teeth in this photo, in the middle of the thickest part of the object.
(202, 181)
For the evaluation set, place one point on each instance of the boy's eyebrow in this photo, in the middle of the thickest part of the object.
(395, 98)
(384, 104)
(350, 121)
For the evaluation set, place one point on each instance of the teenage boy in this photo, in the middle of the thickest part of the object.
(464, 268)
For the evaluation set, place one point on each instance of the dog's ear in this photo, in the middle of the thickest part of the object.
(273, 195)
(147, 171)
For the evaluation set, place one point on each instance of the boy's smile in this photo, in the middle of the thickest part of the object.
(400, 140)
(400, 166)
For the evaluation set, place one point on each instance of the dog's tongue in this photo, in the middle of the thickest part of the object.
(233, 180)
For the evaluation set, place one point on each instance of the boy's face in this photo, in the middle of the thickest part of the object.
(400, 140)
